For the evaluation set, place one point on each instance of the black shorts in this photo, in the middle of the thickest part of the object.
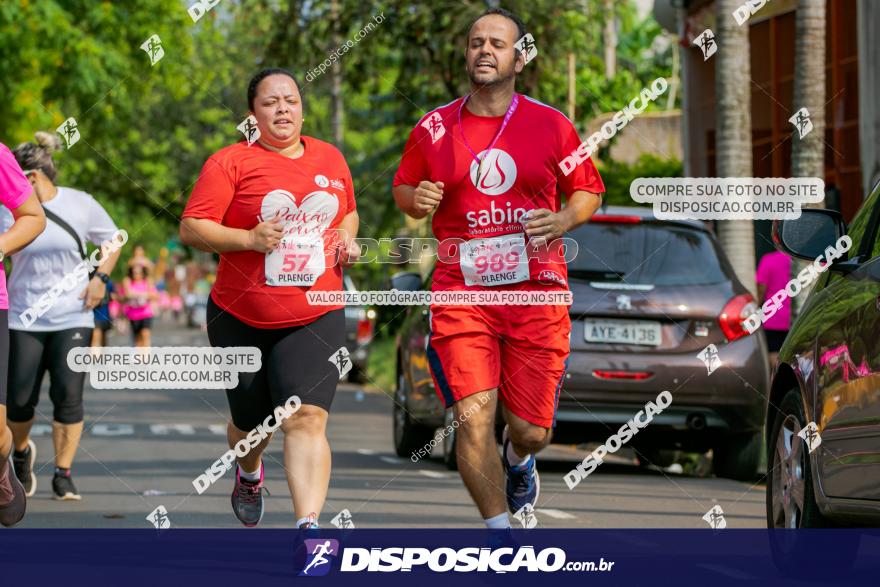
(294, 361)
(103, 325)
(775, 338)
(138, 325)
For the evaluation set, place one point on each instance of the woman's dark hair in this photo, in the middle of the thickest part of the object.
(39, 155)
(260, 76)
(145, 269)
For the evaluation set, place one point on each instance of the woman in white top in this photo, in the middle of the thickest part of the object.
(51, 300)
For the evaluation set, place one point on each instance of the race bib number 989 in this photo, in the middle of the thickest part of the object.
(495, 261)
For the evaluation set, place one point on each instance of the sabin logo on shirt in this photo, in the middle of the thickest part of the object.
(497, 173)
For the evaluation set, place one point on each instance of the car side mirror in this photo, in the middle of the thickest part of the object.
(406, 281)
(807, 237)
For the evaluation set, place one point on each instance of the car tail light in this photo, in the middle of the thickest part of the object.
(733, 314)
(615, 218)
(631, 375)
(365, 326)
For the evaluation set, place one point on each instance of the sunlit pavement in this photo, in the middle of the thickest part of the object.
(142, 449)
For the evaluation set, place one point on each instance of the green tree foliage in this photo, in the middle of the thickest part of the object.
(146, 131)
(618, 176)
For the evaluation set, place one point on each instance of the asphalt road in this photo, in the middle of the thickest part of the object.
(142, 449)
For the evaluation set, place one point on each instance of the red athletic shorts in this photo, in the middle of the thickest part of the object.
(521, 350)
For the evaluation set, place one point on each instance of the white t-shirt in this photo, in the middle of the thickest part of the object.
(52, 255)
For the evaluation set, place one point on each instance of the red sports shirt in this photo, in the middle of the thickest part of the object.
(239, 187)
(521, 173)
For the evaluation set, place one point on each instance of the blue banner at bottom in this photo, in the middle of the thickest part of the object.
(435, 557)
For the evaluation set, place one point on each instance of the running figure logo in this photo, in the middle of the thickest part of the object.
(249, 129)
(159, 518)
(69, 131)
(153, 48)
(434, 125)
(710, 358)
(810, 434)
(343, 520)
(706, 43)
(526, 516)
(320, 553)
(715, 518)
(801, 121)
(526, 45)
(342, 360)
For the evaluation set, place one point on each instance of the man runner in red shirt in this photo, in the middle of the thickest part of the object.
(487, 165)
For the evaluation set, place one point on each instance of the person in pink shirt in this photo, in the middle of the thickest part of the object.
(774, 272)
(17, 195)
(139, 293)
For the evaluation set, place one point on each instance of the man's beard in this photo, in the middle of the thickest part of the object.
(501, 79)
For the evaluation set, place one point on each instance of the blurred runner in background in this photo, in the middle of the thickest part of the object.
(773, 274)
(40, 342)
(103, 319)
(139, 295)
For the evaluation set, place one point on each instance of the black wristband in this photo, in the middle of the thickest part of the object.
(102, 276)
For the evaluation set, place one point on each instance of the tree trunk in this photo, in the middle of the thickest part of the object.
(337, 108)
(733, 133)
(676, 74)
(808, 154)
(572, 89)
(610, 39)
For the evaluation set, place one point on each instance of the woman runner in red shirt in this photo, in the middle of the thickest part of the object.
(268, 207)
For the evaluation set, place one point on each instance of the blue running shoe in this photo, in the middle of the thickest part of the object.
(523, 483)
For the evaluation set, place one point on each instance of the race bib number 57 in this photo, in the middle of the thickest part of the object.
(495, 261)
(296, 261)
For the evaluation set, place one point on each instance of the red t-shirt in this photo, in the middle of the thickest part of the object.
(239, 187)
(521, 173)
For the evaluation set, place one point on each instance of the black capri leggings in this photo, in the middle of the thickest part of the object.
(294, 361)
(4, 356)
(31, 354)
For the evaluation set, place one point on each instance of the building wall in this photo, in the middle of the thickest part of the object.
(869, 90)
(772, 38)
(655, 133)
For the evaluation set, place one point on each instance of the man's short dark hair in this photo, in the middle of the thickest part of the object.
(520, 26)
(260, 76)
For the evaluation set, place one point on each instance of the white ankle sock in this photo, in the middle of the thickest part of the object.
(253, 477)
(513, 459)
(499, 522)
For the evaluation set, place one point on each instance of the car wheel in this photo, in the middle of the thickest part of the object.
(649, 455)
(409, 435)
(737, 457)
(791, 503)
(790, 499)
(449, 456)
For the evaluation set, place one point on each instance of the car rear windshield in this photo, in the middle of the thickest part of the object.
(645, 254)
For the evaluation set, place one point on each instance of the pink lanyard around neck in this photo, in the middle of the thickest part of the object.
(510, 110)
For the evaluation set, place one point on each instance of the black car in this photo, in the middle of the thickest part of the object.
(825, 376)
(648, 297)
